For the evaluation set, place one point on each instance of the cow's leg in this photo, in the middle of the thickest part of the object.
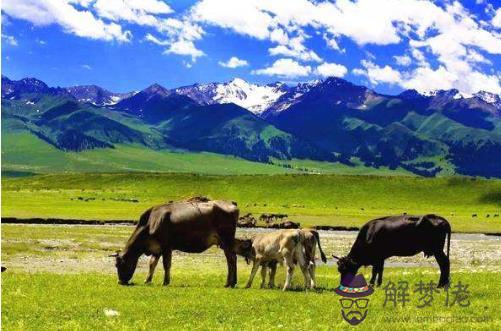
(255, 266)
(273, 271)
(289, 264)
(444, 264)
(311, 269)
(373, 277)
(231, 261)
(152, 263)
(166, 260)
(264, 269)
(303, 264)
(380, 273)
(227, 235)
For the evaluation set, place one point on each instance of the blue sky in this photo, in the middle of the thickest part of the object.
(125, 45)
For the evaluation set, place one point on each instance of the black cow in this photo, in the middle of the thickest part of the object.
(403, 235)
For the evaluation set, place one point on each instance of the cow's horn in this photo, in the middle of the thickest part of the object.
(334, 256)
(114, 254)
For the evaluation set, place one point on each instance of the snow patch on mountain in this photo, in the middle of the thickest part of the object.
(490, 98)
(253, 97)
(256, 98)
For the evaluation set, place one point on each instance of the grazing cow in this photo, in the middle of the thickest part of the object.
(190, 226)
(311, 240)
(282, 245)
(389, 236)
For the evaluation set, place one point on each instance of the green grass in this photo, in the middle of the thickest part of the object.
(196, 300)
(22, 151)
(59, 277)
(308, 199)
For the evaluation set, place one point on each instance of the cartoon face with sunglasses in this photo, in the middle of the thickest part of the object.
(354, 306)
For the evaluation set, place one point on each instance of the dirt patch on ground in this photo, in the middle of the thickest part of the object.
(473, 252)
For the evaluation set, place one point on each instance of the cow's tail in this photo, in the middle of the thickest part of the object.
(449, 233)
(322, 255)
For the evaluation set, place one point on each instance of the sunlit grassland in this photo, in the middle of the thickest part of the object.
(471, 205)
(197, 300)
(60, 277)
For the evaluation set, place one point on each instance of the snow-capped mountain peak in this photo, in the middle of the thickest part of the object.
(488, 97)
(255, 98)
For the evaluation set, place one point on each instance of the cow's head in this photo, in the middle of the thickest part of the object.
(346, 265)
(125, 268)
(243, 247)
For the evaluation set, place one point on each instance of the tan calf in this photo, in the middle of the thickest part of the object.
(311, 240)
(282, 245)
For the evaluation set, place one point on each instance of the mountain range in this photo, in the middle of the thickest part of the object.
(330, 120)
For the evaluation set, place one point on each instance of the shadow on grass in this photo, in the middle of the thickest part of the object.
(491, 197)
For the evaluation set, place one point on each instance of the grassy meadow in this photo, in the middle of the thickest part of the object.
(471, 205)
(26, 153)
(59, 277)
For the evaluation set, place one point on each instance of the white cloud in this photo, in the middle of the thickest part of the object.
(332, 43)
(331, 69)
(305, 55)
(279, 36)
(403, 60)
(439, 38)
(468, 81)
(445, 33)
(377, 74)
(181, 35)
(184, 47)
(241, 16)
(140, 12)
(496, 20)
(425, 79)
(86, 66)
(233, 62)
(286, 68)
(11, 40)
(295, 49)
(151, 38)
(79, 22)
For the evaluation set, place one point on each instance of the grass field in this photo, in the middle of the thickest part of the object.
(25, 152)
(308, 199)
(59, 277)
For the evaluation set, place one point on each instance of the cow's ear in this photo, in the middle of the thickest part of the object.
(337, 258)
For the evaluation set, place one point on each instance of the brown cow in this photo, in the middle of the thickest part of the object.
(190, 226)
